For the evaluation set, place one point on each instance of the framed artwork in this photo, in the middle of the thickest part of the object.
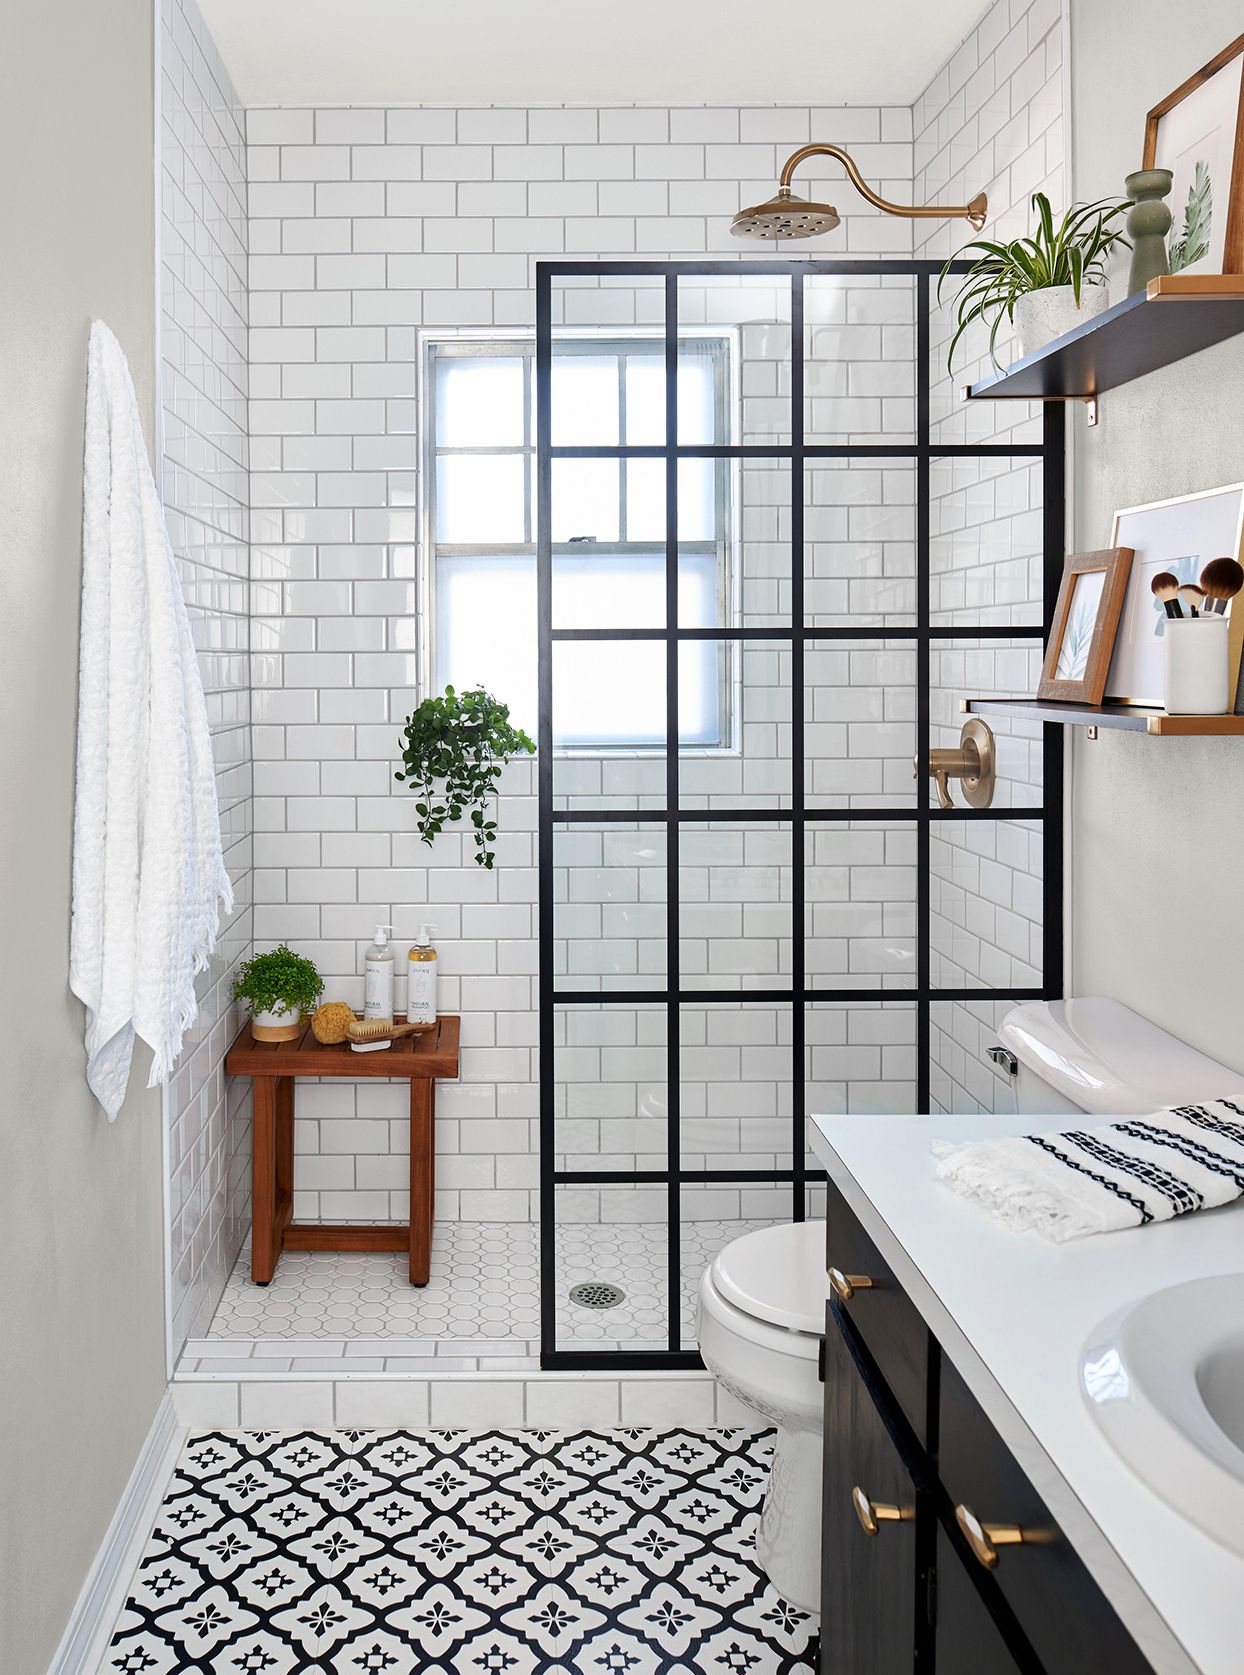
(1086, 615)
(1180, 535)
(1197, 132)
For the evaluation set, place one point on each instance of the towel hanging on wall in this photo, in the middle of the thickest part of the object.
(1077, 1181)
(148, 871)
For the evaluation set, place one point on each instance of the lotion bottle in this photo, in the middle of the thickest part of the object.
(378, 977)
(421, 979)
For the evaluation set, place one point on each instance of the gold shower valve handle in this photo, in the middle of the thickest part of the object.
(844, 1286)
(872, 1514)
(985, 1539)
(974, 764)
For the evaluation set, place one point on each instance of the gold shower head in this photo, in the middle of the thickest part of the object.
(785, 216)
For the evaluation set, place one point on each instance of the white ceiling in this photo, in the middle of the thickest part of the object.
(481, 52)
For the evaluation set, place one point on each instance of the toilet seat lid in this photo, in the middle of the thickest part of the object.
(777, 1274)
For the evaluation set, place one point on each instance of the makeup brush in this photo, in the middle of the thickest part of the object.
(1166, 588)
(1193, 597)
(1222, 579)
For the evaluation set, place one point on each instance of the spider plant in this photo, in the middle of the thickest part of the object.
(1072, 253)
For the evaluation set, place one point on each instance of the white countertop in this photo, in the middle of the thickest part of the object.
(1013, 1313)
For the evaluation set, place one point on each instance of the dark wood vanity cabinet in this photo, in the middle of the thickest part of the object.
(937, 1552)
(868, 1541)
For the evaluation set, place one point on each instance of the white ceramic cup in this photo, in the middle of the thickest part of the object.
(1195, 650)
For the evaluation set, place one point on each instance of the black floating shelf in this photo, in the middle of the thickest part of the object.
(1131, 718)
(1178, 315)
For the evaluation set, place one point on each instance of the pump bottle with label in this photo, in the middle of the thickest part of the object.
(378, 977)
(421, 979)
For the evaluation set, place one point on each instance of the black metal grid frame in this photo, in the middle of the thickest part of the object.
(922, 450)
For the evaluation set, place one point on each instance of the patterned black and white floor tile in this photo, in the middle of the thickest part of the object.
(627, 1552)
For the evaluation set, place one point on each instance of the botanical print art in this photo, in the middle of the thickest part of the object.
(1196, 141)
(1077, 641)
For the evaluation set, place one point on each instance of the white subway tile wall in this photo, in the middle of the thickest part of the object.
(992, 119)
(203, 472)
(368, 227)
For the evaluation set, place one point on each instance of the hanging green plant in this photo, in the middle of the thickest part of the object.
(460, 741)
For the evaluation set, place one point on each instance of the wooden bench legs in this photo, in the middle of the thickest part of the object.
(422, 1171)
(272, 1179)
(272, 1186)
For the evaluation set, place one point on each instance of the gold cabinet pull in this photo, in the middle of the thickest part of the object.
(844, 1286)
(985, 1539)
(872, 1514)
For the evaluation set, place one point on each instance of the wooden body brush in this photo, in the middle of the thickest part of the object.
(369, 1035)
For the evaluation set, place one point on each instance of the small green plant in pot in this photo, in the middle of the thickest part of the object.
(281, 988)
(454, 748)
(1047, 283)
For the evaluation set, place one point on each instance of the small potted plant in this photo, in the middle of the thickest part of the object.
(461, 740)
(1047, 283)
(281, 988)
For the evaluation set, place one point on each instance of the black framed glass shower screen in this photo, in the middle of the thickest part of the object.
(804, 445)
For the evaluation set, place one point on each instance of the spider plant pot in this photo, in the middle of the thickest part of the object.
(277, 1023)
(1051, 311)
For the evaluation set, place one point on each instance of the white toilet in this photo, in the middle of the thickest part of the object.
(1098, 1056)
(762, 1302)
(762, 1318)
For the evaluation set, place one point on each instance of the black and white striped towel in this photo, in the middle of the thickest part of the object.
(1068, 1184)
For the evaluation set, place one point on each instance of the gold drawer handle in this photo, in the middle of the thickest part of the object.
(985, 1539)
(844, 1286)
(872, 1514)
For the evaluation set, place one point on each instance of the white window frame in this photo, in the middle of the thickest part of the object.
(465, 342)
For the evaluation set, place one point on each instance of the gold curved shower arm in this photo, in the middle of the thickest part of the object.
(974, 212)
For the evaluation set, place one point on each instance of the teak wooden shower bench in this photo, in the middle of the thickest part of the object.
(274, 1067)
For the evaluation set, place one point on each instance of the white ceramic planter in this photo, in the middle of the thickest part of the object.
(1041, 316)
(277, 1024)
(1195, 652)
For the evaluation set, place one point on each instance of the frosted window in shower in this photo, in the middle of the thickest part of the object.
(608, 522)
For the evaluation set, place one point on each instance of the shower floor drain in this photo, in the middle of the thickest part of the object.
(597, 1294)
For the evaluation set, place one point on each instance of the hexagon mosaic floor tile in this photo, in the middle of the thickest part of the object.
(484, 1291)
(628, 1552)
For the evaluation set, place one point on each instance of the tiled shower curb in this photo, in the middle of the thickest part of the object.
(542, 1400)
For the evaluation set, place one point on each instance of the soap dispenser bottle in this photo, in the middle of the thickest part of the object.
(378, 977)
(421, 979)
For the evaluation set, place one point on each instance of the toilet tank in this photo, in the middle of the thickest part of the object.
(1098, 1056)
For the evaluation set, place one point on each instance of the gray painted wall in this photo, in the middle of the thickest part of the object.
(81, 1317)
(1157, 910)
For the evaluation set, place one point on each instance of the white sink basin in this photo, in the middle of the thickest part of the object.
(1164, 1378)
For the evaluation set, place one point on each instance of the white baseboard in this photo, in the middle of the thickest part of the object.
(103, 1593)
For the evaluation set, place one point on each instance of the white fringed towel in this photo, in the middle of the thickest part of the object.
(1069, 1184)
(148, 871)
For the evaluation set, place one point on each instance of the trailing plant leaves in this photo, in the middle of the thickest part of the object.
(1192, 245)
(459, 742)
(1073, 252)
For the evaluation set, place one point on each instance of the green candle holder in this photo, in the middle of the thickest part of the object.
(1148, 222)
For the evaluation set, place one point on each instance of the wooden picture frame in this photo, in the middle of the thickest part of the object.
(1218, 132)
(1086, 619)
